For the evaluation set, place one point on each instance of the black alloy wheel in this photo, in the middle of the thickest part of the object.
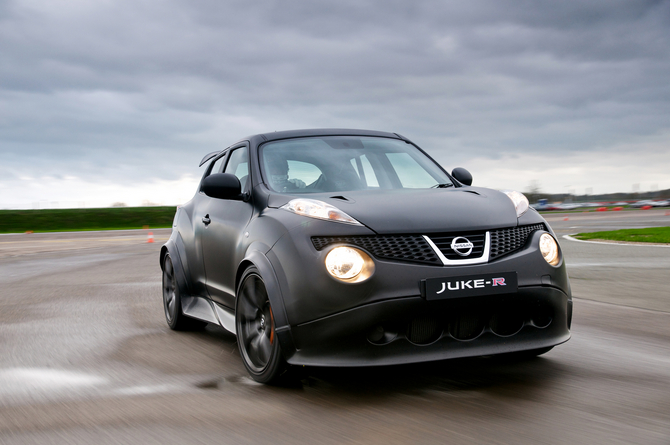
(172, 301)
(256, 336)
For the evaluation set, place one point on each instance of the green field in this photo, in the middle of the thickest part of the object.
(648, 235)
(65, 220)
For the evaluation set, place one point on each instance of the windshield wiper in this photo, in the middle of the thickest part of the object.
(442, 186)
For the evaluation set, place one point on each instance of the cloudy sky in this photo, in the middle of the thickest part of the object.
(105, 101)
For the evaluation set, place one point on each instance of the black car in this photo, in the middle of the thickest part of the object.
(355, 248)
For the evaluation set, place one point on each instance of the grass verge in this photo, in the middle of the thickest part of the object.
(648, 235)
(66, 220)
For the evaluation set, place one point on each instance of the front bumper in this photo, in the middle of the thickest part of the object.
(412, 330)
(385, 320)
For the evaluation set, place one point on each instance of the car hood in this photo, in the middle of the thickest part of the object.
(421, 210)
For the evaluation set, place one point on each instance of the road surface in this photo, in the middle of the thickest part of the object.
(86, 357)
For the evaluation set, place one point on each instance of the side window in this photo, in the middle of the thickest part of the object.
(238, 164)
(218, 165)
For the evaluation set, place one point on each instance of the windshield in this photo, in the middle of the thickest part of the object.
(345, 163)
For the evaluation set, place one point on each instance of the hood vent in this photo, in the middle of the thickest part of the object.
(342, 198)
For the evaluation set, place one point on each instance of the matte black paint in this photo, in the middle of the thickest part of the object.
(222, 186)
(462, 175)
(323, 321)
(340, 340)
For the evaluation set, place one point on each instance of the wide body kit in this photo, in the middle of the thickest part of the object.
(422, 298)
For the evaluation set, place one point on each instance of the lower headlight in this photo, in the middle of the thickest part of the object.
(349, 264)
(549, 249)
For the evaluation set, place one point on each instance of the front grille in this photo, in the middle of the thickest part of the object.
(414, 248)
(393, 247)
(443, 242)
(504, 241)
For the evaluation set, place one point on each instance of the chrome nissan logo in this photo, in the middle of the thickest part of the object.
(462, 246)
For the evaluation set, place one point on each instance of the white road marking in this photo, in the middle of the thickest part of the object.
(134, 284)
(49, 384)
(144, 390)
(614, 243)
(45, 380)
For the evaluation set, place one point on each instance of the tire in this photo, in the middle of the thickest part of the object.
(256, 337)
(172, 301)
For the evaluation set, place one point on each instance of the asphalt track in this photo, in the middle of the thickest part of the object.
(86, 357)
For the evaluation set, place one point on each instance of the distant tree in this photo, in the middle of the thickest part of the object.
(119, 204)
(533, 192)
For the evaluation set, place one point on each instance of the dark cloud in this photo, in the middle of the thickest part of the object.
(85, 82)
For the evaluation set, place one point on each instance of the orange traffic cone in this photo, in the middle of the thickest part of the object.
(151, 237)
(565, 219)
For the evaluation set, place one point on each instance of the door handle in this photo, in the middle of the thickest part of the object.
(206, 219)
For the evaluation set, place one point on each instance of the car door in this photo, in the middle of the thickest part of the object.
(222, 232)
(192, 239)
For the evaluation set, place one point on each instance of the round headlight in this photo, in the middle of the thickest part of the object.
(344, 263)
(549, 249)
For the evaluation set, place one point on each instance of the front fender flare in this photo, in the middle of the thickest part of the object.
(282, 328)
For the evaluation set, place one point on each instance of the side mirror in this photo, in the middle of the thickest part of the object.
(222, 186)
(462, 175)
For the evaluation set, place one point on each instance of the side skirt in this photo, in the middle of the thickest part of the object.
(205, 310)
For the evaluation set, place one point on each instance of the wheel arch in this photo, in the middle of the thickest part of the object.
(177, 265)
(260, 261)
(244, 265)
(164, 251)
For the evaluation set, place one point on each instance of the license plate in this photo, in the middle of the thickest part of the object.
(469, 286)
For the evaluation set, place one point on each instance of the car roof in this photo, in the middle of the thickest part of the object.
(325, 132)
(260, 138)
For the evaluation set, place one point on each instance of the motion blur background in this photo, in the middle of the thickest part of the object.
(115, 101)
